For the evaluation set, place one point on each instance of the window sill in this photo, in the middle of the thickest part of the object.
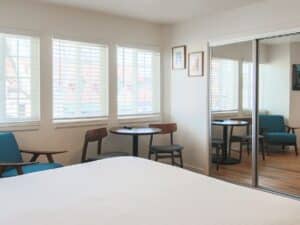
(139, 119)
(80, 123)
(21, 126)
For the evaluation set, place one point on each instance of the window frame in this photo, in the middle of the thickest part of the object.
(30, 124)
(88, 121)
(139, 118)
(240, 110)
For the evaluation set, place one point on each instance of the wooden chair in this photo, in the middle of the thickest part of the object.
(97, 135)
(172, 150)
(240, 138)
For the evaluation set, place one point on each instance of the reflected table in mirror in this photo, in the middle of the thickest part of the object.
(227, 124)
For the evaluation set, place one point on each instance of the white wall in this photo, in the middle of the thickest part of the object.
(47, 21)
(188, 96)
(274, 81)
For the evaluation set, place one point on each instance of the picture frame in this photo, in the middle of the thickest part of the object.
(296, 77)
(196, 64)
(179, 57)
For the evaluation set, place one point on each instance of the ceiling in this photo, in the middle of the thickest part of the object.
(159, 11)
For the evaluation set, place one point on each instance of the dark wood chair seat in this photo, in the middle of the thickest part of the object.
(171, 151)
(166, 148)
(97, 135)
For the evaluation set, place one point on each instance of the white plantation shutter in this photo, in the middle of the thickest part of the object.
(80, 73)
(19, 79)
(247, 85)
(224, 85)
(138, 82)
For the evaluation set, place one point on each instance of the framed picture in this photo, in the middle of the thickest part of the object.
(296, 77)
(179, 57)
(196, 64)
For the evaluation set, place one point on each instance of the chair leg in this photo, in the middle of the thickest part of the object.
(173, 160)
(181, 159)
(248, 148)
(156, 156)
(262, 149)
(218, 155)
(296, 149)
(149, 155)
(241, 151)
(229, 150)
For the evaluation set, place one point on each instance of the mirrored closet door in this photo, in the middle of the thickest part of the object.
(231, 112)
(279, 113)
(254, 89)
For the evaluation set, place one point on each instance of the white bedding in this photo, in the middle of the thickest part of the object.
(132, 191)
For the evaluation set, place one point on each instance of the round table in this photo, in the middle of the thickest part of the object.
(135, 132)
(226, 124)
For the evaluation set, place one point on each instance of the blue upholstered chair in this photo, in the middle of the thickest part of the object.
(275, 132)
(11, 162)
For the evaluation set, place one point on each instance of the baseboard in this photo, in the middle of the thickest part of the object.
(195, 169)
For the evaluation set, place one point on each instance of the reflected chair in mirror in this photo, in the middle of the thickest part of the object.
(247, 140)
(240, 138)
(275, 132)
(171, 151)
(11, 160)
(97, 135)
(218, 145)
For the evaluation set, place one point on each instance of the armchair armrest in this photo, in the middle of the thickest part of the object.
(48, 154)
(17, 166)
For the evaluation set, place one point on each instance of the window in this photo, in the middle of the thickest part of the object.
(19, 79)
(247, 85)
(225, 85)
(138, 82)
(80, 74)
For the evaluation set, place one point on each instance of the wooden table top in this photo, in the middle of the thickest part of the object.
(135, 130)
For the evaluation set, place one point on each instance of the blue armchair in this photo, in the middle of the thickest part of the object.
(275, 132)
(11, 162)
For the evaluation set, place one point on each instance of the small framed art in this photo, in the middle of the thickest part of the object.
(196, 64)
(296, 77)
(179, 57)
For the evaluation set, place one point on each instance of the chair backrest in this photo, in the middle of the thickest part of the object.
(166, 128)
(271, 123)
(9, 149)
(95, 135)
(247, 119)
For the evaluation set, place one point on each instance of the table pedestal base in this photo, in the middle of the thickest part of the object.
(227, 161)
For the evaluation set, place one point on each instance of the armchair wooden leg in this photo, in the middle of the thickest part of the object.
(50, 158)
(19, 170)
(296, 149)
(34, 157)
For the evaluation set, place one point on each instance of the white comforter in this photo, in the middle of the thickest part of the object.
(132, 191)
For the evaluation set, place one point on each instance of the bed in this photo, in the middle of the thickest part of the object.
(134, 191)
